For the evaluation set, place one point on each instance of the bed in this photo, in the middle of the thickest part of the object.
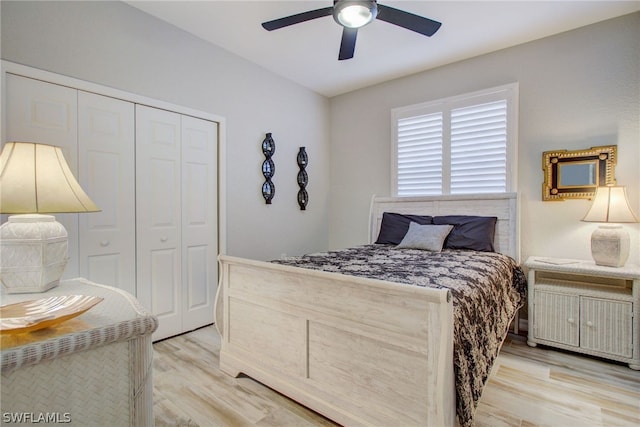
(374, 351)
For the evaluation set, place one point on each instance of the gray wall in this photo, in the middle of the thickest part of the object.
(113, 44)
(577, 90)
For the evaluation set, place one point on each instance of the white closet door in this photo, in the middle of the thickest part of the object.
(46, 113)
(106, 133)
(199, 221)
(158, 205)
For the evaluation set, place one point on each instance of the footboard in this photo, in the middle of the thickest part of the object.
(359, 351)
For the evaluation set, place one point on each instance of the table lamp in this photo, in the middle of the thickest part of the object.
(35, 180)
(610, 243)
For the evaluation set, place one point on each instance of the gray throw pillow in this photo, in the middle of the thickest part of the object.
(425, 237)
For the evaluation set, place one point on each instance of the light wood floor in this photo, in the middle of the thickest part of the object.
(528, 387)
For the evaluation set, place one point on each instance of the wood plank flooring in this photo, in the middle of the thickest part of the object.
(528, 387)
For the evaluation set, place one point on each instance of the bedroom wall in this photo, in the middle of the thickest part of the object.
(577, 90)
(116, 45)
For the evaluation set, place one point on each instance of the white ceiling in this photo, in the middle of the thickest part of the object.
(307, 53)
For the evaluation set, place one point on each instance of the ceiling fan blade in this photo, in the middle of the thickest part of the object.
(348, 43)
(297, 18)
(408, 20)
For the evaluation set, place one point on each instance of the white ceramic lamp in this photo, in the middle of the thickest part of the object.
(35, 180)
(610, 242)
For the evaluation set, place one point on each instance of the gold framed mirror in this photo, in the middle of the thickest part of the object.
(577, 174)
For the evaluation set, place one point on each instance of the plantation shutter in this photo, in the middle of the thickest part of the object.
(460, 145)
(479, 148)
(419, 165)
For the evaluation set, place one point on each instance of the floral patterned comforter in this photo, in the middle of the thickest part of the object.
(487, 289)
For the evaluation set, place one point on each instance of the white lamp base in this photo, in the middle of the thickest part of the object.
(33, 253)
(610, 245)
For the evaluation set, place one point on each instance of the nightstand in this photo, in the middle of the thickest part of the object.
(95, 369)
(579, 306)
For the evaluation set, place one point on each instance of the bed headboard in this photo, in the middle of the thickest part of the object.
(504, 206)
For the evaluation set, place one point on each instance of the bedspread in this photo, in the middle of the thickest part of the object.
(487, 290)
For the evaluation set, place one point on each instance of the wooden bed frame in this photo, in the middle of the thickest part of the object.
(359, 351)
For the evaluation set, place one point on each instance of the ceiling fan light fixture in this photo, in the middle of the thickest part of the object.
(354, 14)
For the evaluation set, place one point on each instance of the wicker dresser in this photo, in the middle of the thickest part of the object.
(579, 306)
(94, 369)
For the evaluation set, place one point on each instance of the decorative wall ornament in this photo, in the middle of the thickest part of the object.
(268, 168)
(577, 174)
(303, 178)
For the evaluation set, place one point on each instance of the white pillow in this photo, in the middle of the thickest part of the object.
(427, 237)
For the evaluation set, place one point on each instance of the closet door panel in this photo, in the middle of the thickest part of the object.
(164, 292)
(199, 221)
(43, 112)
(105, 266)
(106, 129)
(46, 113)
(158, 216)
(197, 270)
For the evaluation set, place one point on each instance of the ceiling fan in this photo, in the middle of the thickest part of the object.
(356, 14)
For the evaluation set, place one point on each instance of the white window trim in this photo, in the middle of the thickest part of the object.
(510, 92)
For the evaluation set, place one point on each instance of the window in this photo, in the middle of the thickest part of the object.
(460, 145)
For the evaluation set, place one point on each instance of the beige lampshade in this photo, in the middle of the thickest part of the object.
(610, 205)
(35, 178)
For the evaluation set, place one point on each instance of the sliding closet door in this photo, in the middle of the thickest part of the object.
(199, 221)
(177, 221)
(152, 172)
(46, 113)
(158, 227)
(106, 133)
